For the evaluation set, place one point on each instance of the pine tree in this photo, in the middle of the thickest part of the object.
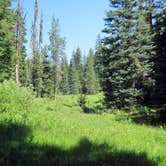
(74, 82)
(7, 47)
(98, 62)
(77, 57)
(143, 51)
(90, 79)
(117, 77)
(64, 85)
(46, 74)
(126, 55)
(159, 96)
(56, 47)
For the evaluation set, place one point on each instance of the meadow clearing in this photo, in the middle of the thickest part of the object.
(57, 132)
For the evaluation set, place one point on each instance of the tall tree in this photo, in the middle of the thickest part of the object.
(159, 96)
(57, 44)
(64, 85)
(90, 78)
(7, 47)
(143, 51)
(46, 74)
(77, 57)
(35, 52)
(98, 62)
(20, 33)
(74, 81)
(127, 54)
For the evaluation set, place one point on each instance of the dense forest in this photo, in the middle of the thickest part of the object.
(46, 94)
(127, 65)
(46, 69)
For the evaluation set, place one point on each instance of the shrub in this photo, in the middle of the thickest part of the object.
(14, 98)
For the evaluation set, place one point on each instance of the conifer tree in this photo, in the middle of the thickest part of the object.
(126, 55)
(64, 85)
(143, 53)
(7, 47)
(159, 96)
(77, 57)
(98, 62)
(90, 78)
(57, 44)
(46, 74)
(74, 82)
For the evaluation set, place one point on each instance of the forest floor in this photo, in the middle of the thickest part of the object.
(60, 134)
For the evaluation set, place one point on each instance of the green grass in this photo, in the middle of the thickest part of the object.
(58, 133)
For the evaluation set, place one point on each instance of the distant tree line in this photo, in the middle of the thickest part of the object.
(47, 71)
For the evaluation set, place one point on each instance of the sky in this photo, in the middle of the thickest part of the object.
(80, 21)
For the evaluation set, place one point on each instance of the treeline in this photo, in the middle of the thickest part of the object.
(129, 63)
(132, 57)
(46, 70)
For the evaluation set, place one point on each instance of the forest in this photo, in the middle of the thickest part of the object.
(103, 108)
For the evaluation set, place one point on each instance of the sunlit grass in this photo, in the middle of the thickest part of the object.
(57, 132)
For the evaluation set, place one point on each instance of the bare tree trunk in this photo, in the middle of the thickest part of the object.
(34, 48)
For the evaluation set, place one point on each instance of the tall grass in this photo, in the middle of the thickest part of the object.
(58, 133)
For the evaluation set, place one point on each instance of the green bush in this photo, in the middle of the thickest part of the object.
(14, 98)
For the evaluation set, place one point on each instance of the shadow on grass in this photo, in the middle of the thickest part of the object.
(17, 150)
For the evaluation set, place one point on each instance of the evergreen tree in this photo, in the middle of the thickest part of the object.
(127, 54)
(98, 62)
(56, 47)
(64, 85)
(90, 79)
(143, 51)
(77, 57)
(46, 74)
(74, 82)
(7, 48)
(159, 96)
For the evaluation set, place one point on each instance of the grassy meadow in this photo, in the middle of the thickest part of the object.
(57, 133)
